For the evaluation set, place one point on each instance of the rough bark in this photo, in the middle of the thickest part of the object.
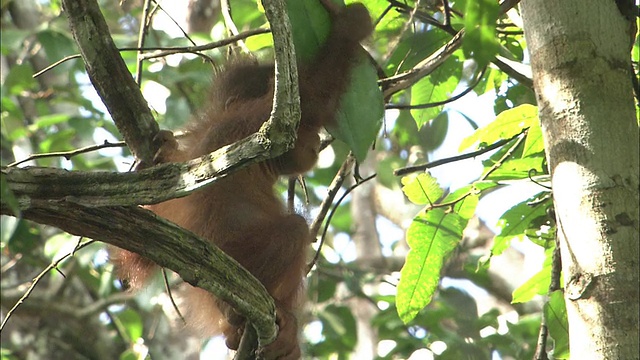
(580, 59)
(112, 79)
(138, 230)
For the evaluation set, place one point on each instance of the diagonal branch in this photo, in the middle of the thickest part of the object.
(111, 78)
(139, 230)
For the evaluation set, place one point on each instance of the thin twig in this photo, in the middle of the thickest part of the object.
(184, 33)
(69, 154)
(447, 12)
(391, 48)
(432, 164)
(36, 280)
(333, 211)
(225, 8)
(396, 83)
(169, 50)
(495, 166)
(506, 155)
(144, 30)
(167, 286)
(443, 102)
(332, 191)
(554, 284)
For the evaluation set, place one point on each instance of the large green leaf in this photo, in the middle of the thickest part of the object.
(534, 143)
(361, 111)
(431, 236)
(362, 108)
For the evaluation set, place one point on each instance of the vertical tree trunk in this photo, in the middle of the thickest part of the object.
(580, 54)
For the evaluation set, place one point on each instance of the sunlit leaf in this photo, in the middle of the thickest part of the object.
(506, 125)
(421, 189)
(518, 169)
(431, 236)
(533, 144)
(437, 87)
(131, 322)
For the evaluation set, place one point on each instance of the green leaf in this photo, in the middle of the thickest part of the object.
(533, 144)
(51, 119)
(515, 221)
(405, 130)
(413, 48)
(506, 125)
(437, 87)
(322, 288)
(310, 25)
(431, 236)
(434, 132)
(57, 45)
(58, 141)
(259, 42)
(24, 239)
(466, 199)
(466, 207)
(421, 189)
(538, 284)
(555, 312)
(480, 41)
(59, 245)
(11, 39)
(491, 80)
(385, 168)
(358, 125)
(517, 169)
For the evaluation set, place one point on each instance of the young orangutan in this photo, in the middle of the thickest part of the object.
(241, 213)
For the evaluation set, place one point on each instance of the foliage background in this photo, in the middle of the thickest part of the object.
(489, 300)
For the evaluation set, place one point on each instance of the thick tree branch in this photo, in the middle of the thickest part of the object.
(285, 116)
(144, 187)
(111, 78)
(139, 230)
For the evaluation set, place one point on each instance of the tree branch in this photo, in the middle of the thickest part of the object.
(111, 78)
(139, 230)
(143, 187)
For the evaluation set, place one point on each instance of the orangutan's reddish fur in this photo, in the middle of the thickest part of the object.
(241, 213)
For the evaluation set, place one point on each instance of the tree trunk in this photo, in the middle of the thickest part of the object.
(580, 55)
